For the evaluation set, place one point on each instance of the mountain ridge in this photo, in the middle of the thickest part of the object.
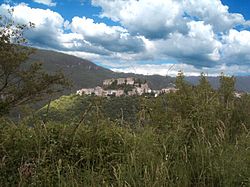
(86, 74)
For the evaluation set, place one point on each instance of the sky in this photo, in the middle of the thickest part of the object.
(143, 36)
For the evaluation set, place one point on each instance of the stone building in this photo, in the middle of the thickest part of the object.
(108, 82)
(168, 90)
(110, 92)
(133, 92)
(138, 89)
(130, 81)
(121, 81)
(98, 91)
(142, 89)
(86, 91)
(120, 93)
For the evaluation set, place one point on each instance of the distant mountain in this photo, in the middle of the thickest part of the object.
(82, 72)
(242, 82)
(86, 74)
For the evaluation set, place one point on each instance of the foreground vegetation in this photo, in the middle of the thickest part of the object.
(195, 137)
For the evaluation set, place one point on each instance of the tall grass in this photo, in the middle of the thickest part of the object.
(194, 137)
(105, 154)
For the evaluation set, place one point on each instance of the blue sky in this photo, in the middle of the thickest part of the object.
(143, 36)
(238, 6)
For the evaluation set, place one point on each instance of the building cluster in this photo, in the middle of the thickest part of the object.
(99, 91)
(137, 88)
(238, 94)
(164, 91)
(120, 81)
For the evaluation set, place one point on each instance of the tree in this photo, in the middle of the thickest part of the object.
(22, 82)
(183, 95)
(229, 113)
(227, 89)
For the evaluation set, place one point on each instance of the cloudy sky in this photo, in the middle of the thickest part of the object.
(143, 36)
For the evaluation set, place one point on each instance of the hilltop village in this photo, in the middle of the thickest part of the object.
(123, 86)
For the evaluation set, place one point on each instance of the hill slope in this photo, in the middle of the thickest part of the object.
(86, 74)
(82, 72)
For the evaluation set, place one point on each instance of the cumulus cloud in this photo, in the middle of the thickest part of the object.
(156, 19)
(46, 2)
(85, 35)
(48, 24)
(194, 35)
(152, 19)
(199, 47)
(113, 38)
(199, 33)
(213, 12)
(236, 47)
(190, 70)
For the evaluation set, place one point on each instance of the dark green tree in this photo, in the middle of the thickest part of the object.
(227, 89)
(20, 82)
(230, 115)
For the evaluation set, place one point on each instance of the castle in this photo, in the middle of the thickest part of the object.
(122, 86)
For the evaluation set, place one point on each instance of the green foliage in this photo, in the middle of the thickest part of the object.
(104, 154)
(122, 109)
(21, 83)
(70, 109)
(187, 138)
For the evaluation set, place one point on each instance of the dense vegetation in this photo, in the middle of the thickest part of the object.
(22, 83)
(197, 136)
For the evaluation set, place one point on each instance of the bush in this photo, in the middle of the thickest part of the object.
(195, 137)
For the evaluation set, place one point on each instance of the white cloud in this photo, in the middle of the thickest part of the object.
(236, 47)
(156, 19)
(153, 19)
(199, 47)
(160, 69)
(46, 2)
(189, 70)
(213, 12)
(23, 13)
(113, 38)
(197, 35)
(48, 24)
(89, 28)
(49, 29)
(49, 32)
(197, 32)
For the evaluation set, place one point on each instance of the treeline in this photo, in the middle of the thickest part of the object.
(197, 136)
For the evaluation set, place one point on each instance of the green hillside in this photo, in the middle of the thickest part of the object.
(197, 136)
(82, 72)
(86, 74)
(71, 108)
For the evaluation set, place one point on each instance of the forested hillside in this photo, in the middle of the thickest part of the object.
(197, 136)
(84, 73)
